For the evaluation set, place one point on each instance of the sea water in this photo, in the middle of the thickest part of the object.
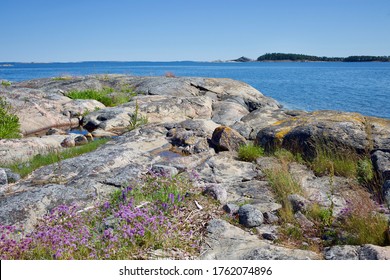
(353, 87)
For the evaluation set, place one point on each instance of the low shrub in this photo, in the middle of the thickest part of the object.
(250, 152)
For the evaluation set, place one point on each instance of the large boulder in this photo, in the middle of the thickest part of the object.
(227, 242)
(344, 131)
(227, 139)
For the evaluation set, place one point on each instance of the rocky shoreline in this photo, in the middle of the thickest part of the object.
(194, 125)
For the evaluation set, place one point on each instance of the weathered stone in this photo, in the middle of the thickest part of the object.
(231, 208)
(164, 170)
(381, 163)
(304, 133)
(224, 168)
(270, 218)
(68, 142)
(227, 113)
(298, 202)
(227, 242)
(249, 216)
(373, 252)
(365, 252)
(80, 140)
(55, 131)
(216, 191)
(227, 139)
(11, 176)
(3, 177)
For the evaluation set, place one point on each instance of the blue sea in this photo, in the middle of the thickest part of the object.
(353, 87)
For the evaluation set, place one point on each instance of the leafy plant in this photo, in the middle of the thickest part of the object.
(136, 119)
(9, 122)
(250, 152)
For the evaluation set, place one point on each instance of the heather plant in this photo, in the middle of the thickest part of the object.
(134, 222)
(250, 152)
(9, 122)
(361, 222)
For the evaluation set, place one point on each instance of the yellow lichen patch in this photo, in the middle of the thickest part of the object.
(379, 121)
(282, 132)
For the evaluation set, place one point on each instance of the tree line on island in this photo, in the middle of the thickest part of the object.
(303, 57)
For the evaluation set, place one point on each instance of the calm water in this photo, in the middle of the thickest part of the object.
(355, 87)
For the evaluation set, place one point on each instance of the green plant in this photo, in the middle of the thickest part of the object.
(250, 152)
(6, 83)
(361, 223)
(322, 215)
(283, 185)
(365, 171)
(25, 168)
(9, 122)
(286, 156)
(136, 119)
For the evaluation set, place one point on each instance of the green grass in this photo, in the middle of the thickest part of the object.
(283, 185)
(42, 160)
(250, 152)
(6, 83)
(107, 96)
(285, 156)
(361, 223)
(9, 123)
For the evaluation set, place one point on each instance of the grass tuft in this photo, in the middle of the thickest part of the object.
(9, 122)
(107, 96)
(53, 157)
(250, 152)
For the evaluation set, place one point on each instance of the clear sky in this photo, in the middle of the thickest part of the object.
(200, 30)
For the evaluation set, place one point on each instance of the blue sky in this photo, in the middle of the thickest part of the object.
(201, 30)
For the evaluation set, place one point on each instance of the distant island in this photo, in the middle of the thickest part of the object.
(311, 58)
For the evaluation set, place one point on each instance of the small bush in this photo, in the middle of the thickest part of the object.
(9, 123)
(250, 152)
